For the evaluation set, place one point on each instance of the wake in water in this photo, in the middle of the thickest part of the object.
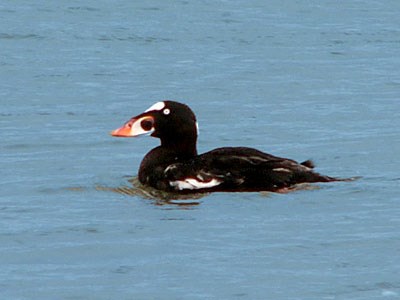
(169, 198)
(160, 197)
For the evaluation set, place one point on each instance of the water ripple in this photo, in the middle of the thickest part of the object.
(16, 36)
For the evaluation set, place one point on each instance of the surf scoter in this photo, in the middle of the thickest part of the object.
(175, 165)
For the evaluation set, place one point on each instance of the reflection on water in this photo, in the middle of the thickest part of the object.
(168, 198)
(160, 197)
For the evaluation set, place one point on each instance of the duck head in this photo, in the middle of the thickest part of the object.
(172, 122)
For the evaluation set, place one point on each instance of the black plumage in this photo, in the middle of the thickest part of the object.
(176, 166)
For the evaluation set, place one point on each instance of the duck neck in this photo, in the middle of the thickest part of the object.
(184, 148)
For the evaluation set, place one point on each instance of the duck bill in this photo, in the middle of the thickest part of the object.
(135, 127)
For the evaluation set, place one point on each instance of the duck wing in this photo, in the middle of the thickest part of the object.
(240, 169)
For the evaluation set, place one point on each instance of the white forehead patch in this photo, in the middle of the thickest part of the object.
(156, 106)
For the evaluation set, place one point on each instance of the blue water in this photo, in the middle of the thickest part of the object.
(299, 79)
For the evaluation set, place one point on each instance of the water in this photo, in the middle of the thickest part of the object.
(296, 79)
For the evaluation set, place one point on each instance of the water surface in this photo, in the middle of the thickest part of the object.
(296, 79)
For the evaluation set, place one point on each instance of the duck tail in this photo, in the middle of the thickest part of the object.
(324, 178)
(308, 163)
(316, 177)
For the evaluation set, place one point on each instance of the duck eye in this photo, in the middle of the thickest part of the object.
(166, 111)
(146, 125)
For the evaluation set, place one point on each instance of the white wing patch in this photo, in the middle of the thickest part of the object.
(281, 170)
(194, 184)
(156, 106)
(250, 159)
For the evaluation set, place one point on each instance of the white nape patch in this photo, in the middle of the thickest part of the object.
(156, 106)
(197, 128)
(194, 184)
